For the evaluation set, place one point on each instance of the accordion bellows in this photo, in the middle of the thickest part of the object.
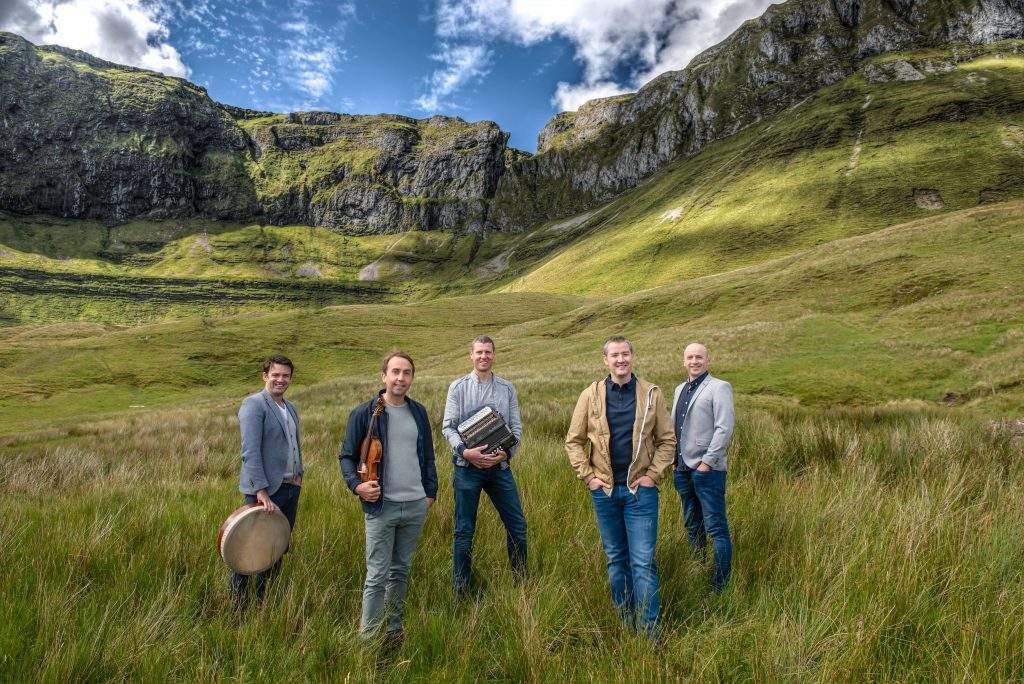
(486, 426)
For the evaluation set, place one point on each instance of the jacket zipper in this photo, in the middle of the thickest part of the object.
(639, 443)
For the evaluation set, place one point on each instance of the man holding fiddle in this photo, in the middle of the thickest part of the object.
(395, 503)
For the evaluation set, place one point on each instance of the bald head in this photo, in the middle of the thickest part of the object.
(695, 359)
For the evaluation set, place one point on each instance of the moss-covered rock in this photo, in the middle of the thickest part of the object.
(91, 139)
(86, 138)
(376, 174)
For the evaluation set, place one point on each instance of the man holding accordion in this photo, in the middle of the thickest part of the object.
(483, 443)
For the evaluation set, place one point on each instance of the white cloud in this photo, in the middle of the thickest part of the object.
(312, 68)
(569, 97)
(312, 55)
(298, 26)
(648, 36)
(124, 31)
(462, 64)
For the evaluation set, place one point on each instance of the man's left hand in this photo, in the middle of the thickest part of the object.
(703, 467)
(645, 481)
(430, 502)
(491, 460)
(297, 480)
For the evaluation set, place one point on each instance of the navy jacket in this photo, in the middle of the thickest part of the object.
(359, 424)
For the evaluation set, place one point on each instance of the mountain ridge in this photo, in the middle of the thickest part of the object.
(90, 139)
(767, 65)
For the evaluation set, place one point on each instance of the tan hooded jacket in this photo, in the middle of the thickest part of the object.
(654, 440)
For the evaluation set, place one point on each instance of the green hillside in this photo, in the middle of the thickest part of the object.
(866, 153)
(929, 311)
(874, 375)
(855, 158)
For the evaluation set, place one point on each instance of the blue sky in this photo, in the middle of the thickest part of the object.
(516, 62)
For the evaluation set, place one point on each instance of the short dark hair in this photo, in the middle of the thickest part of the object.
(481, 339)
(616, 339)
(278, 360)
(399, 354)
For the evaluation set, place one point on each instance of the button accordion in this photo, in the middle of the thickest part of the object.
(486, 426)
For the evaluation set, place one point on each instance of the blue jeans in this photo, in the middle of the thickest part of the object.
(703, 499)
(500, 486)
(287, 499)
(628, 524)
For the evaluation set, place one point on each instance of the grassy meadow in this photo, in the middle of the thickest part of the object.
(853, 264)
(875, 488)
(870, 544)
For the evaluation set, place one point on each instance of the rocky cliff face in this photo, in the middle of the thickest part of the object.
(767, 65)
(376, 173)
(87, 138)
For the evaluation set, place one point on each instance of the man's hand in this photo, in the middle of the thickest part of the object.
(297, 480)
(264, 499)
(499, 456)
(596, 483)
(477, 457)
(644, 482)
(430, 502)
(368, 491)
(703, 467)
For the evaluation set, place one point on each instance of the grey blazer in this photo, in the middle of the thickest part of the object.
(707, 424)
(265, 443)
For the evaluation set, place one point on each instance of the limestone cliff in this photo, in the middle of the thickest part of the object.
(769, 64)
(375, 173)
(87, 138)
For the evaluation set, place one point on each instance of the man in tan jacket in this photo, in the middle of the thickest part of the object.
(626, 424)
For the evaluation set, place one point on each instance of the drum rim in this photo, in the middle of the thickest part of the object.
(236, 516)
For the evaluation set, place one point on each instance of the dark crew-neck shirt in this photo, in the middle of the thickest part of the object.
(620, 407)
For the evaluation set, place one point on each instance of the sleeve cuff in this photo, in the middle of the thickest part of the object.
(459, 450)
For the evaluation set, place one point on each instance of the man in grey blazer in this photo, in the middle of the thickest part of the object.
(271, 473)
(703, 417)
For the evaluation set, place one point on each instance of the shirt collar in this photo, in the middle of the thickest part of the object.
(693, 384)
(629, 386)
(473, 376)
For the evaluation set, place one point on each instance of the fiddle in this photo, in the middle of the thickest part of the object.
(370, 449)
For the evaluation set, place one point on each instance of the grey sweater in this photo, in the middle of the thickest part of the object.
(402, 480)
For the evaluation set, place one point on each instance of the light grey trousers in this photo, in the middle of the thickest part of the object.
(391, 540)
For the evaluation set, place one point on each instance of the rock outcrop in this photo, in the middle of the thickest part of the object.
(766, 66)
(376, 174)
(86, 138)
